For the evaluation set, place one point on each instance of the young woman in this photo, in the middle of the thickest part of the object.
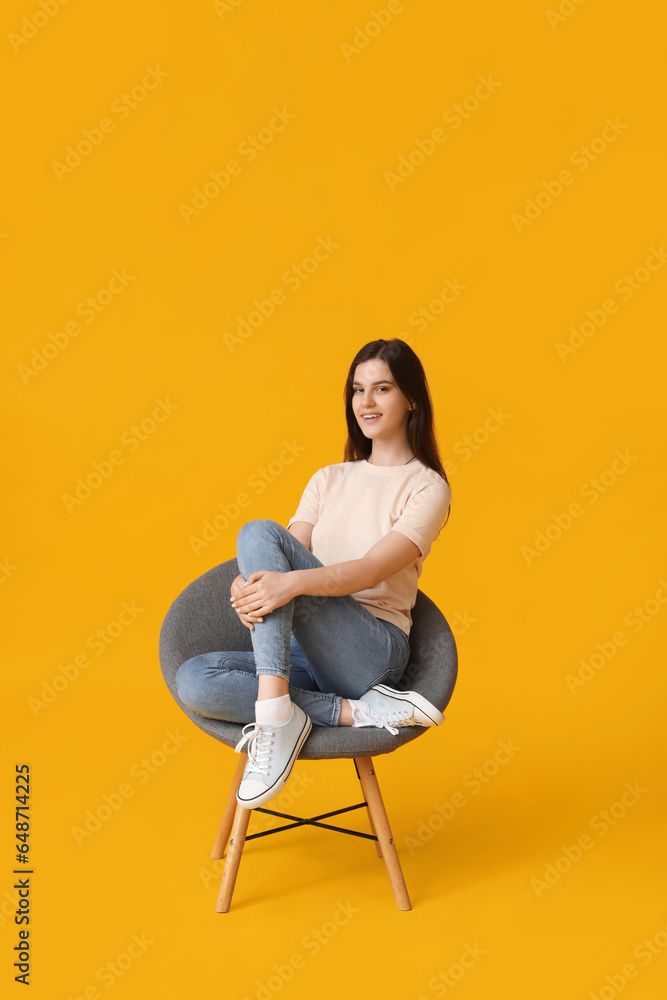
(328, 599)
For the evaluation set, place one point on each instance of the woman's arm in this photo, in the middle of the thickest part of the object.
(302, 530)
(391, 554)
(266, 590)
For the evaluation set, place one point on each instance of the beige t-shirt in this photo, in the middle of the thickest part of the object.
(352, 505)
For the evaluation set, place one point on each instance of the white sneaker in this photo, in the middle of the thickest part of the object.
(387, 708)
(272, 751)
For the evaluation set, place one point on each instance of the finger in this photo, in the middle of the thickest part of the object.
(255, 609)
(247, 604)
(245, 595)
(248, 617)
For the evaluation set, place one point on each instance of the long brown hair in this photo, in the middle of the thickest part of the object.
(410, 377)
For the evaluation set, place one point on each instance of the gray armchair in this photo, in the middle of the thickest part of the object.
(201, 620)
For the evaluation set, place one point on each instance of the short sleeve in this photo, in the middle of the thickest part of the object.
(309, 505)
(424, 514)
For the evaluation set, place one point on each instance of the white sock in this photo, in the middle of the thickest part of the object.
(273, 711)
(359, 710)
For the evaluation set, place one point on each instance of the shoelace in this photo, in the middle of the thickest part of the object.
(389, 720)
(260, 743)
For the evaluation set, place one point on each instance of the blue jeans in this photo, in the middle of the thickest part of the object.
(327, 648)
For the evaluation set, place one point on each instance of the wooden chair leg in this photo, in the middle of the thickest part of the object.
(220, 843)
(380, 826)
(237, 840)
(378, 849)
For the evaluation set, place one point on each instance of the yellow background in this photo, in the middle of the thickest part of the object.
(527, 621)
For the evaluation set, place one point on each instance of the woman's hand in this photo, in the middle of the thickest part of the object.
(263, 592)
(236, 590)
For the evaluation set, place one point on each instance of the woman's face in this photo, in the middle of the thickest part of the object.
(374, 391)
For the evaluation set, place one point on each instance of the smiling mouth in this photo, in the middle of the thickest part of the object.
(370, 416)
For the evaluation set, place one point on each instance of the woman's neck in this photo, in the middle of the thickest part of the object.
(390, 454)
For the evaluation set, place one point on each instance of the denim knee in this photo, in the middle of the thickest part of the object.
(257, 527)
(188, 683)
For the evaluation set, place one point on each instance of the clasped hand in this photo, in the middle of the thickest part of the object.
(263, 592)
